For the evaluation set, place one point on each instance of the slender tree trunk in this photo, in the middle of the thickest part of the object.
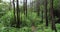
(52, 16)
(25, 7)
(46, 17)
(42, 17)
(13, 22)
(18, 15)
(38, 7)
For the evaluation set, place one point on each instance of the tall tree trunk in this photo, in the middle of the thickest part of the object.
(42, 17)
(46, 17)
(38, 7)
(52, 16)
(25, 7)
(18, 15)
(13, 22)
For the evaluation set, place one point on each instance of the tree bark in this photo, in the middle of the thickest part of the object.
(25, 7)
(18, 15)
(52, 16)
(46, 17)
(14, 21)
(38, 7)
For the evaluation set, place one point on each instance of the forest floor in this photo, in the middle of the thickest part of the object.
(40, 28)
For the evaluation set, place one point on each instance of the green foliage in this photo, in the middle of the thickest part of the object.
(6, 18)
(56, 4)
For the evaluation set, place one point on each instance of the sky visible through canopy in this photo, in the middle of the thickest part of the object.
(20, 1)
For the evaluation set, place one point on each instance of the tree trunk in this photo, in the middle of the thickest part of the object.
(13, 22)
(46, 17)
(38, 7)
(42, 17)
(25, 7)
(18, 15)
(52, 16)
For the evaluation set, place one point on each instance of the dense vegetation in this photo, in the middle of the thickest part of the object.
(33, 20)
